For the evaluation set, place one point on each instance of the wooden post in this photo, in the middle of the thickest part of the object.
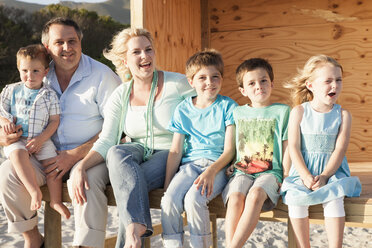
(147, 242)
(52, 228)
(291, 236)
(213, 223)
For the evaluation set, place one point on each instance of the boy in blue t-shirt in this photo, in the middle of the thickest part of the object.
(32, 106)
(204, 143)
(261, 142)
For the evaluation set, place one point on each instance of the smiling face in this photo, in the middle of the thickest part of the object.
(326, 86)
(140, 57)
(207, 83)
(64, 46)
(257, 87)
(32, 72)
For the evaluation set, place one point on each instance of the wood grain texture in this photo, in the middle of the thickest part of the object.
(176, 27)
(240, 15)
(287, 48)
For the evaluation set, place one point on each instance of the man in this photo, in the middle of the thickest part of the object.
(83, 86)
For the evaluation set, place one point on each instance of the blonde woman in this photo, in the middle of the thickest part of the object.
(134, 140)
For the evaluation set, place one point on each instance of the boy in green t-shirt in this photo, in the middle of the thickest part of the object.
(261, 143)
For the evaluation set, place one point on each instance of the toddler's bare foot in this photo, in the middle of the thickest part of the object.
(36, 196)
(61, 209)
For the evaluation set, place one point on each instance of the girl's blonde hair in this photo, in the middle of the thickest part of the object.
(118, 52)
(299, 92)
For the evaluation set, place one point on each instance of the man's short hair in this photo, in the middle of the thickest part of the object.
(62, 21)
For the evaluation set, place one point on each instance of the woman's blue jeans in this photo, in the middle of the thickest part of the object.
(131, 179)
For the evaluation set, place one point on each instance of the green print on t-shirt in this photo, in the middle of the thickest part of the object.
(255, 145)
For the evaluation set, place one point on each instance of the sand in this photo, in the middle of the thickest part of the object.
(267, 234)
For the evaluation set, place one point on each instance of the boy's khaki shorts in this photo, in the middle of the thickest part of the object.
(243, 183)
(48, 150)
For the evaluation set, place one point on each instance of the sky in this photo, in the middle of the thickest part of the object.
(46, 2)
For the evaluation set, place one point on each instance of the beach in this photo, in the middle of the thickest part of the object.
(267, 234)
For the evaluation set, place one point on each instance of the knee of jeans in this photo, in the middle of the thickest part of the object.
(194, 200)
(115, 155)
(171, 204)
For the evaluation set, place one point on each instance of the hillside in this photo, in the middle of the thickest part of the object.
(119, 10)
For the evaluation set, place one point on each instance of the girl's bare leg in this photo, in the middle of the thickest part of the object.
(301, 231)
(335, 230)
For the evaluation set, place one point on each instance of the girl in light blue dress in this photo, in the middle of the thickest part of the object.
(318, 136)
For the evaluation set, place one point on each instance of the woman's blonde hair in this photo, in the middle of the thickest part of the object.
(299, 92)
(117, 53)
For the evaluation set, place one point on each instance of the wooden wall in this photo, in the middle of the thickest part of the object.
(286, 32)
(176, 27)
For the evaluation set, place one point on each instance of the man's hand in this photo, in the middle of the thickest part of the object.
(60, 164)
(7, 139)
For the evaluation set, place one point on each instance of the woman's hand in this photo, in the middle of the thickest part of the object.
(79, 185)
(320, 181)
(206, 180)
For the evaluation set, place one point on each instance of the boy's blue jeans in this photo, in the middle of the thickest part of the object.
(131, 179)
(182, 195)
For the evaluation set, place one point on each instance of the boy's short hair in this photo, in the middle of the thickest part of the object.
(35, 51)
(208, 57)
(250, 65)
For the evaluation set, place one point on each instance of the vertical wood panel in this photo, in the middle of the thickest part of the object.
(176, 27)
(136, 13)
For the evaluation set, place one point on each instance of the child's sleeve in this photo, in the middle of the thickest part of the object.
(5, 101)
(231, 105)
(54, 108)
(177, 122)
(285, 123)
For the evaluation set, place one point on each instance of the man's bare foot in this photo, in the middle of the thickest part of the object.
(61, 209)
(36, 197)
(133, 235)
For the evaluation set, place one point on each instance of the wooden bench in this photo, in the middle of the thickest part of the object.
(358, 211)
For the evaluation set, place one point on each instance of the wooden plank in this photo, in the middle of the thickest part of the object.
(205, 27)
(288, 48)
(176, 27)
(137, 13)
(110, 242)
(239, 15)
